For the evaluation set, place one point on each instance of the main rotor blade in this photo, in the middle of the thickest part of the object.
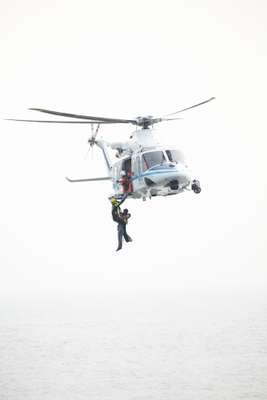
(188, 108)
(59, 122)
(99, 119)
(105, 178)
(156, 120)
(170, 119)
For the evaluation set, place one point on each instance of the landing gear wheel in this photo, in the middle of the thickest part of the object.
(197, 190)
(196, 186)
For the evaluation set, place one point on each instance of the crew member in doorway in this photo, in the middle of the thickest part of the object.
(130, 181)
(126, 182)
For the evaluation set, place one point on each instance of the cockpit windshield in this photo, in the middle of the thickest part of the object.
(175, 156)
(152, 158)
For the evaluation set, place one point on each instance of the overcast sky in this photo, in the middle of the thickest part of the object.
(124, 59)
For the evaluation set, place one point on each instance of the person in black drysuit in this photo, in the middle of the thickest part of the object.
(122, 228)
(121, 218)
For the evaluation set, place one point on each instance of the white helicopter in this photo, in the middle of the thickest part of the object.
(144, 168)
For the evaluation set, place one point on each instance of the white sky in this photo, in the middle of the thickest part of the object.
(123, 59)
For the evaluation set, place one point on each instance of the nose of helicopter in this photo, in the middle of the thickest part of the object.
(170, 175)
(183, 175)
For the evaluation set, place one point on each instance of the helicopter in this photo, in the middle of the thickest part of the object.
(144, 168)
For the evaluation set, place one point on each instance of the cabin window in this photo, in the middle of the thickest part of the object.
(175, 156)
(152, 159)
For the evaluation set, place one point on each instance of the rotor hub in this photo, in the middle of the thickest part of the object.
(144, 122)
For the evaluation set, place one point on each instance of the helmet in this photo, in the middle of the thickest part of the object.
(114, 201)
(125, 211)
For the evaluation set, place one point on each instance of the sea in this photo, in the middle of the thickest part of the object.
(160, 345)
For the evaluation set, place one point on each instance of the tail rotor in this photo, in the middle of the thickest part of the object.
(92, 140)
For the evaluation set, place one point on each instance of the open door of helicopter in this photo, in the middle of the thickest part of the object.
(126, 166)
(126, 174)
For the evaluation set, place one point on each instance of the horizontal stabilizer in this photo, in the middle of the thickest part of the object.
(105, 178)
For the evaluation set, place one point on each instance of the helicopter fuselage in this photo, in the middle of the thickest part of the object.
(151, 169)
(151, 173)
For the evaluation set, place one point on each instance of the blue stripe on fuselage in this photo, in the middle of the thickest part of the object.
(155, 172)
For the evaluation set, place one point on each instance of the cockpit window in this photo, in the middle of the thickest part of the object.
(175, 156)
(153, 158)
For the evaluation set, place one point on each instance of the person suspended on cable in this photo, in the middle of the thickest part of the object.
(121, 218)
(122, 233)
